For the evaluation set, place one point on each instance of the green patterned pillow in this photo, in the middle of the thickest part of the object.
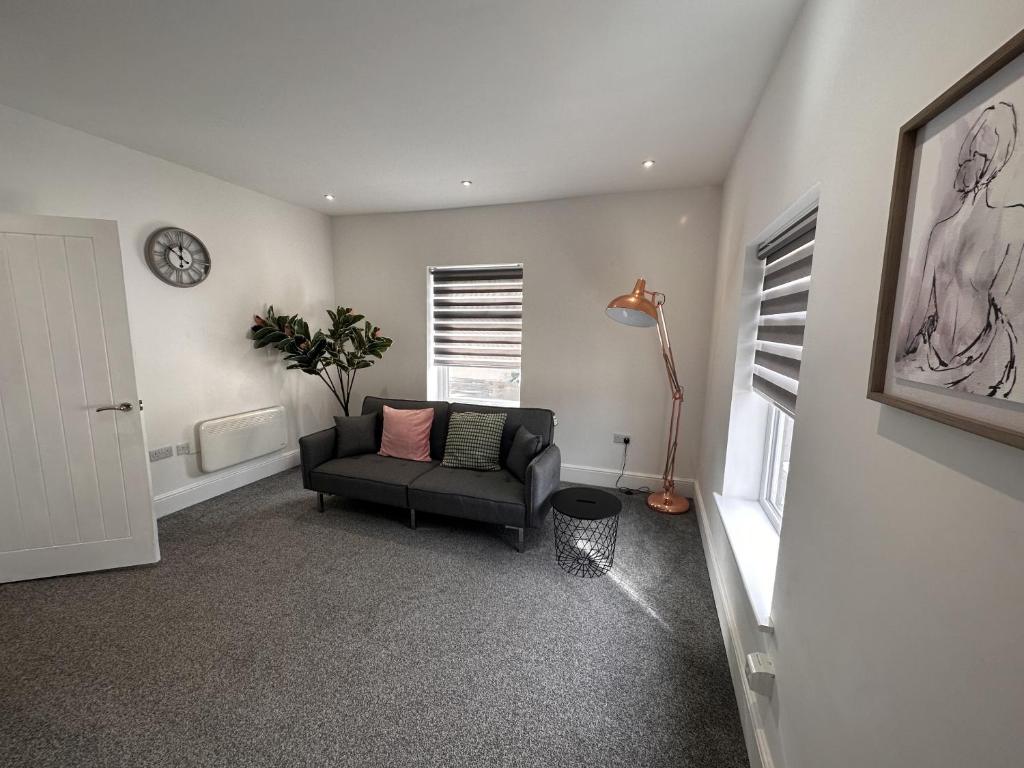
(474, 441)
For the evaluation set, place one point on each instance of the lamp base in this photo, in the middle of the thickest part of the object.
(668, 503)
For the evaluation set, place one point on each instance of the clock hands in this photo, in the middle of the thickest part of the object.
(182, 263)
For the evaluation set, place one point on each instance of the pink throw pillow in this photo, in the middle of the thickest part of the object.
(407, 433)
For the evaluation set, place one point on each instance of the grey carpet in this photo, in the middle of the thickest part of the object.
(272, 635)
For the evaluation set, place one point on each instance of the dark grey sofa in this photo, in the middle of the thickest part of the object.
(491, 497)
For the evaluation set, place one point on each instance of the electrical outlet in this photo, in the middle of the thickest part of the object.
(161, 453)
(620, 437)
(183, 449)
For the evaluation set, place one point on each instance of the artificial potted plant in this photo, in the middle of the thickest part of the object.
(336, 355)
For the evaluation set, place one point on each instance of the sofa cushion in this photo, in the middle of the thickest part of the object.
(474, 441)
(540, 421)
(492, 497)
(438, 429)
(370, 477)
(407, 433)
(525, 445)
(355, 435)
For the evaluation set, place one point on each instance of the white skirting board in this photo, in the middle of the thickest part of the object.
(605, 478)
(758, 748)
(208, 487)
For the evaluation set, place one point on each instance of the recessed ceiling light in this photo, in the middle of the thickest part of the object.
(328, 196)
(466, 183)
(648, 163)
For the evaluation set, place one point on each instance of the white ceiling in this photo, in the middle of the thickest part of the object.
(390, 103)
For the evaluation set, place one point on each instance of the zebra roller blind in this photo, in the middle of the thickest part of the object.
(785, 290)
(477, 315)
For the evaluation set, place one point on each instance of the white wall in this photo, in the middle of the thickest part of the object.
(597, 375)
(191, 355)
(898, 614)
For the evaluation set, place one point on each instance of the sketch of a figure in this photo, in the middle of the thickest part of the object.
(963, 309)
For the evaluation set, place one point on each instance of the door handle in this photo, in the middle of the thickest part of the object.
(123, 407)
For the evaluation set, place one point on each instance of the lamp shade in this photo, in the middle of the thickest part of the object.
(634, 308)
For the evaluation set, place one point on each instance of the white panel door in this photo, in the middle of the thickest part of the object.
(74, 483)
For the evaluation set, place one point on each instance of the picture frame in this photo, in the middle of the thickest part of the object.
(945, 348)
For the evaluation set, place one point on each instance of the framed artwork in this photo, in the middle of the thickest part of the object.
(949, 337)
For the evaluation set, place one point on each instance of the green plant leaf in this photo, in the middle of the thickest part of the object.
(270, 338)
(348, 344)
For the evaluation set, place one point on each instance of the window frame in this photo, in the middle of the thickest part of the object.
(439, 387)
(437, 375)
(799, 224)
(774, 457)
(769, 468)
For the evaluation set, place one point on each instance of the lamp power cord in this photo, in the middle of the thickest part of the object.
(625, 490)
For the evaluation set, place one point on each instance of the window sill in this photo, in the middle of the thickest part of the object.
(755, 545)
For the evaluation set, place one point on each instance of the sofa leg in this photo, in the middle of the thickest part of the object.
(412, 519)
(320, 501)
(519, 539)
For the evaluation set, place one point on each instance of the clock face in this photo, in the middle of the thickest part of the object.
(177, 257)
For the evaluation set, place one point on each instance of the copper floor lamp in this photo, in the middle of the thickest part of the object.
(642, 308)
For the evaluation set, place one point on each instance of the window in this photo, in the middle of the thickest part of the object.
(778, 440)
(476, 334)
(782, 314)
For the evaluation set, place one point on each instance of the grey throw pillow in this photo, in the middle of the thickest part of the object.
(525, 446)
(474, 441)
(356, 434)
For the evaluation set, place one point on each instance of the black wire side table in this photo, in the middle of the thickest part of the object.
(586, 523)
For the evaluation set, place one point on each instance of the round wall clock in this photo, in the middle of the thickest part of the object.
(177, 257)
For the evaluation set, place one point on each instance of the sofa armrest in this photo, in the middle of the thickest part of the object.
(314, 450)
(543, 475)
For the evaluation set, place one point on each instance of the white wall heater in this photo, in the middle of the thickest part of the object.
(243, 436)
